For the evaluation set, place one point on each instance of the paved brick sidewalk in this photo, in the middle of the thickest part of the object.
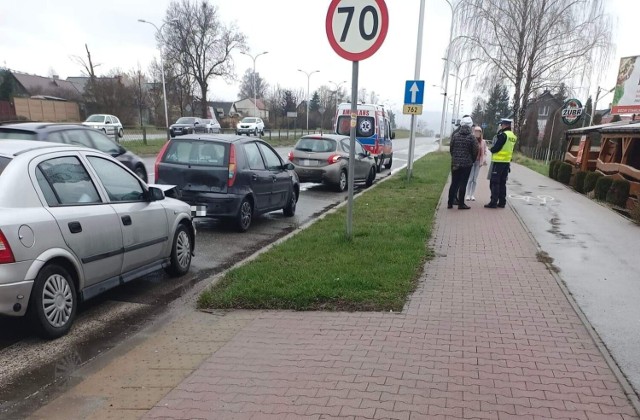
(487, 334)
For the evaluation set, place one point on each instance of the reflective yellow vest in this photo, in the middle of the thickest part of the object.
(505, 154)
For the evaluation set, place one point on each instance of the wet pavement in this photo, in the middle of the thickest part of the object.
(595, 251)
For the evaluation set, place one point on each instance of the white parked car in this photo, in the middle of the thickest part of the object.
(212, 126)
(109, 124)
(250, 125)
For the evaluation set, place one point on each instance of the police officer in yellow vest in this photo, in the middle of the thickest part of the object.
(501, 154)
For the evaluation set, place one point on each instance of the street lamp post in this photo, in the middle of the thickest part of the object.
(459, 96)
(308, 77)
(446, 69)
(595, 104)
(164, 87)
(337, 87)
(255, 93)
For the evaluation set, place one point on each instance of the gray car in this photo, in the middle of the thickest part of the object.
(325, 158)
(74, 222)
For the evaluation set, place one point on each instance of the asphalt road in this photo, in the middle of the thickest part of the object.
(34, 369)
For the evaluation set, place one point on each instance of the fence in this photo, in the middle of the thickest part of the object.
(147, 135)
(44, 110)
(540, 153)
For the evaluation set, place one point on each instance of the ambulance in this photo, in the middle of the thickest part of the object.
(373, 130)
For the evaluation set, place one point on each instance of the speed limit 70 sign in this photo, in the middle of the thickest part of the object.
(357, 28)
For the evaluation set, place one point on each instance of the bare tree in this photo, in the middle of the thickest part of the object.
(534, 44)
(247, 83)
(141, 93)
(194, 37)
(89, 70)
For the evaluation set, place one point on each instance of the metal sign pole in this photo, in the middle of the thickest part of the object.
(352, 146)
(412, 137)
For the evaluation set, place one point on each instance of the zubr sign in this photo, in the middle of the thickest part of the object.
(571, 111)
(356, 28)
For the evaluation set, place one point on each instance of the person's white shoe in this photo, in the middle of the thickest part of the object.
(473, 198)
(467, 198)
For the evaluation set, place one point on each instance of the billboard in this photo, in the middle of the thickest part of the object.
(626, 99)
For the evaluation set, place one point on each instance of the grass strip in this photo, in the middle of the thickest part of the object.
(537, 165)
(320, 269)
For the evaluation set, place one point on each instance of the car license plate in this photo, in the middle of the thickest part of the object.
(198, 211)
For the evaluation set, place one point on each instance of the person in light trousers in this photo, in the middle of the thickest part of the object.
(480, 161)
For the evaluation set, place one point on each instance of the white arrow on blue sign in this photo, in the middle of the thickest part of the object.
(414, 92)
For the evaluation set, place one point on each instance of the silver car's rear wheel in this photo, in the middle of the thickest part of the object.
(53, 301)
(343, 181)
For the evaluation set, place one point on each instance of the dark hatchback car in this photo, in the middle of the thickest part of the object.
(187, 125)
(228, 176)
(78, 135)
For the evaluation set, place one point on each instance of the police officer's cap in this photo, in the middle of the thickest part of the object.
(506, 121)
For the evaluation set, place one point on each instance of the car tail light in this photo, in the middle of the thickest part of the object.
(6, 255)
(232, 166)
(334, 158)
(290, 155)
(158, 159)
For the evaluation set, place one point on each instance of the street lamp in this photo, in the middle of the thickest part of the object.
(337, 87)
(446, 67)
(595, 104)
(459, 96)
(308, 77)
(164, 87)
(255, 93)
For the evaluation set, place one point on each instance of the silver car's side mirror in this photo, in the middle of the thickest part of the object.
(155, 194)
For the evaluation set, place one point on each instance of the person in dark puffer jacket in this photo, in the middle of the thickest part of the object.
(464, 151)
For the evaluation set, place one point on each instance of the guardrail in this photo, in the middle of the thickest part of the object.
(147, 135)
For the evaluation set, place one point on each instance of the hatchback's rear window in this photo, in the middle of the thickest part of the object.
(3, 163)
(316, 145)
(10, 133)
(205, 153)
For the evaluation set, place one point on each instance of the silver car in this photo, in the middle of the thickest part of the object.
(325, 158)
(74, 222)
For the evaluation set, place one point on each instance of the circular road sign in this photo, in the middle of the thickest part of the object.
(571, 111)
(357, 28)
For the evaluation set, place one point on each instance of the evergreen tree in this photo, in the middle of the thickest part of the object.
(493, 111)
(588, 111)
(478, 115)
(6, 85)
(314, 103)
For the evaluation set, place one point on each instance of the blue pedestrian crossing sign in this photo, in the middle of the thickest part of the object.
(413, 97)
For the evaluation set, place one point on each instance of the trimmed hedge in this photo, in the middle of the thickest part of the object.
(553, 169)
(618, 192)
(590, 181)
(602, 188)
(580, 177)
(564, 173)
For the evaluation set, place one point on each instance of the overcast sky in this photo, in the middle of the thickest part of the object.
(40, 36)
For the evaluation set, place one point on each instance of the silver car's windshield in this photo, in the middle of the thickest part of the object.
(4, 161)
(8, 133)
(249, 120)
(96, 118)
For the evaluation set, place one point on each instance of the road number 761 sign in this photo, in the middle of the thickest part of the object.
(357, 28)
